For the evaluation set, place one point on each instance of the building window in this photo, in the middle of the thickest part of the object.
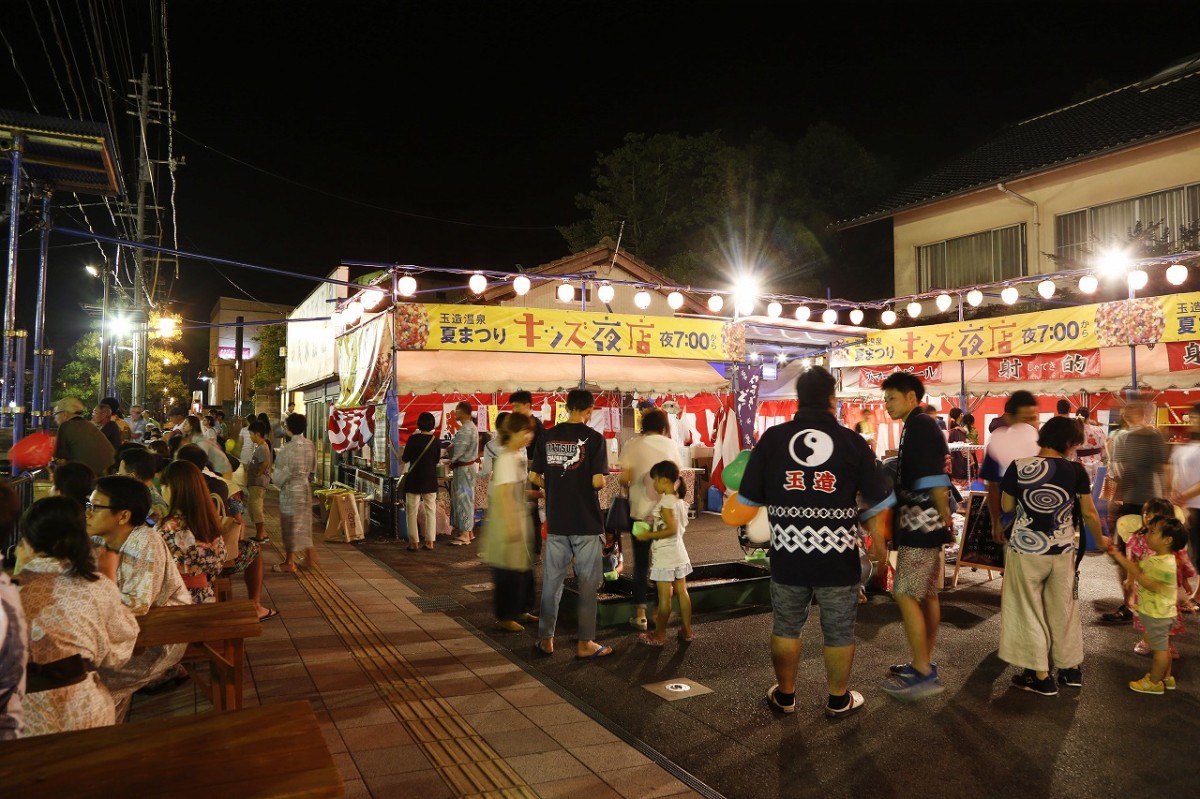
(986, 257)
(1161, 219)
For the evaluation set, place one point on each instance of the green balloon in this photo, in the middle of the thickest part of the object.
(732, 475)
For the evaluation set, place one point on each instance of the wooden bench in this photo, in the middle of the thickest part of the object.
(269, 751)
(218, 630)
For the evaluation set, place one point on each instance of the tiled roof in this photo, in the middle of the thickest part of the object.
(1166, 104)
(66, 154)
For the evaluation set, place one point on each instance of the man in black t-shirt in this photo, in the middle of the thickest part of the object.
(922, 529)
(572, 465)
(809, 474)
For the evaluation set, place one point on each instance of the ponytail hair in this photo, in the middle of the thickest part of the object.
(56, 526)
(670, 470)
(514, 424)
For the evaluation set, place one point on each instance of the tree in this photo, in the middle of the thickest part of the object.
(271, 365)
(694, 206)
(80, 377)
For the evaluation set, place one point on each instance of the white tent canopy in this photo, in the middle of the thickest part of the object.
(447, 372)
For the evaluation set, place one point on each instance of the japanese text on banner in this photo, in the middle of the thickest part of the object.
(1144, 320)
(503, 329)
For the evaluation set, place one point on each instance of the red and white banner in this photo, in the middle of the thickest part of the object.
(1047, 366)
(869, 377)
(1183, 355)
(351, 428)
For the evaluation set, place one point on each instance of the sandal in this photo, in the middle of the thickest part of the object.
(413, 547)
(1121, 614)
(687, 638)
(281, 568)
(429, 545)
(649, 640)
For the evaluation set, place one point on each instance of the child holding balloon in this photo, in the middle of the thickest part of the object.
(669, 562)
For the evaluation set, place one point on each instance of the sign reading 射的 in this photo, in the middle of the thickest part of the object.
(1145, 320)
(503, 329)
(1046, 366)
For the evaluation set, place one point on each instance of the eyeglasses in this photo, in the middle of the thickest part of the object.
(92, 506)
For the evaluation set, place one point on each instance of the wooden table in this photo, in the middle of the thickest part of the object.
(219, 631)
(268, 751)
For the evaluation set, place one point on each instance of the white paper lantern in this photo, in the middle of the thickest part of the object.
(715, 303)
(352, 313)
(914, 309)
(642, 299)
(566, 292)
(675, 300)
(745, 306)
(370, 299)
(974, 298)
(774, 309)
(888, 317)
(856, 316)
(1088, 284)
(803, 312)
(1009, 295)
(477, 284)
(1176, 274)
(1138, 279)
(407, 286)
(606, 293)
(1047, 288)
(943, 302)
(829, 316)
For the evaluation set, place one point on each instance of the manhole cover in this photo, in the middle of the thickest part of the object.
(677, 686)
(434, 604)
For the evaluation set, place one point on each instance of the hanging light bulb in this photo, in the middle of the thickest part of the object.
(856, 316)
(943, 301)
(974, 298)
(606, 293)
(477, 284)
(829, 316)
(1009, 295)
(407, 286)
(781, 358)
(566, 292)
(888, 317)
(1047, 288)
(1138, 279)
(371, 299)
(521, 285)
(914, 309)
(1177, 274)
(774, 310)
(754, 356)
(1088, 284)
(745, 306)
(642, 299)
(352, 313)
(675, 300)
(803, 312)
(715, 303)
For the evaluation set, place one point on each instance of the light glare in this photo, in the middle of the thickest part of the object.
(1046, 288)
(974, 298)
(1088, 284)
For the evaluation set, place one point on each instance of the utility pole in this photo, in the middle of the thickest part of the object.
(140, 315)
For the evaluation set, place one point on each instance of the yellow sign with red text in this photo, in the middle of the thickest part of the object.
(1145, 320)
(480, 328)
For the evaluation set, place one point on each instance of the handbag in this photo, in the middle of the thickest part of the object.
(915, 511)
(402, 481)
(618, 519)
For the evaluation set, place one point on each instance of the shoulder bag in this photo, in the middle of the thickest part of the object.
(618, 519)
(401, 485)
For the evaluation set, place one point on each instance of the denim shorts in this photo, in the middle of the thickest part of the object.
(1157, 632)
(839, 609)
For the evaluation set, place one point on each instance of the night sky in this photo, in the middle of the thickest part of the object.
(458, 134)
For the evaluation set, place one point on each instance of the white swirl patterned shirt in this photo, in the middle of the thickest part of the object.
(1046, 490)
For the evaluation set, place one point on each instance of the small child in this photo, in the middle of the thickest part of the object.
(669, 563)
(1156, 511)
(1156, 602)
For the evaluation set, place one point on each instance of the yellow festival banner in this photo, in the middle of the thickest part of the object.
(502, 329)
(1144, 320)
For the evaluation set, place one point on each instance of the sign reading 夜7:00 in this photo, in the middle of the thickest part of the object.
(1145, 320)
(502, 329)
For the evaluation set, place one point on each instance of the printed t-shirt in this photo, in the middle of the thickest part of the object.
(1045, 490)
(809, 473)
(1152, 603)
(570, 454)
(923, 464)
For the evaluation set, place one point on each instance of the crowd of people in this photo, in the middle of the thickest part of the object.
(138, 517)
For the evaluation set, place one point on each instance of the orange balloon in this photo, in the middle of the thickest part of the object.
(734, 513)
(33, 451)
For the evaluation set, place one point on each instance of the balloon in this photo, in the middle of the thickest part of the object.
(732, 474)
(33, 451)
(734, 513)
(758, 530)
(229, 445)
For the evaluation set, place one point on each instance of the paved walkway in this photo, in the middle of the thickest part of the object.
(412, 703)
